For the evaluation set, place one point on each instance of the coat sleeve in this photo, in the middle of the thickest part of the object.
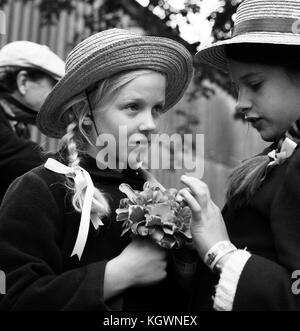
(31, 227)
(264, 284)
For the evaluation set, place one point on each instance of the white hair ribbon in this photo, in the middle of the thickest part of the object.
(287, 149)
(82, 179)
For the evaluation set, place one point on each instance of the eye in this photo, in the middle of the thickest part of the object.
(157, 110)
(132, 106)
(255, 86)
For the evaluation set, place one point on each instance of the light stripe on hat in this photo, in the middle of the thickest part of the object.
(262, 9)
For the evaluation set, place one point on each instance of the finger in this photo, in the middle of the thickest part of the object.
(185, 189)
(198, 189)
(193, 204)
(195, 184)
(179, 197)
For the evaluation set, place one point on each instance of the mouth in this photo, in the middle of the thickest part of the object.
(255, 121)
(142, 143)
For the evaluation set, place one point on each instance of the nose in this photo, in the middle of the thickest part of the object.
(147, 122)
(244, 105)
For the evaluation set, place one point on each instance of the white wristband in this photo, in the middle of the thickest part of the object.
(216, 252)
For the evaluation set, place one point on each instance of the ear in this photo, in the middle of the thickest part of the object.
(22, 79)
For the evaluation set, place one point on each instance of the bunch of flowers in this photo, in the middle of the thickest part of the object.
(156, 214)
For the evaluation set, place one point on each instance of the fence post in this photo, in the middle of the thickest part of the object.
(2, 22)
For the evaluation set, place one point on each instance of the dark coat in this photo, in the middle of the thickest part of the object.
(269, 227)
(17, 155)
(38, 230)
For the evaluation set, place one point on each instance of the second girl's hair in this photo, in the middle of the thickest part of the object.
(246, 179)
(74, 143)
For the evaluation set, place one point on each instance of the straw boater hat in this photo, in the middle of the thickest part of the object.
(110, 52)
(260, 22)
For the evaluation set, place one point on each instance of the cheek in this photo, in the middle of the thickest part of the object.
(37, 97)
(108, 122)
(275, 127)
(43, 95)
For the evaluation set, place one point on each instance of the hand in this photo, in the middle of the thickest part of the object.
(142, 263)
(207, 224)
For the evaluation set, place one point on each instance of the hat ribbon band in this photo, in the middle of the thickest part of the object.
(268, 24)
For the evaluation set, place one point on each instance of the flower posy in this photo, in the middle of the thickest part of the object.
(156, 214)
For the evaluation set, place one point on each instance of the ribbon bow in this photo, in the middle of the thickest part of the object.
(82, 180)
(287, 149)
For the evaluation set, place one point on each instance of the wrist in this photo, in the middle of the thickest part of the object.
(116, 279)
(218, 252)
(222, 262)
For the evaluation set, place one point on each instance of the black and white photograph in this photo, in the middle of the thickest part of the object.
(149, 159)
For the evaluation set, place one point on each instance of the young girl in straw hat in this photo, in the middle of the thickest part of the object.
(52, 256)
(252, 249)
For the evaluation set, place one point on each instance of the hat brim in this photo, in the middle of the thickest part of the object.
(215, 55)
(154, 53)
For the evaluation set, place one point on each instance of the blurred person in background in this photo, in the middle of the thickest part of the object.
(28, 72)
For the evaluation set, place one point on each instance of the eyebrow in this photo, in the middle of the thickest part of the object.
(139, 100)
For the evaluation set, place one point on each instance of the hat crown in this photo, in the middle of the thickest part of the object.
(257, 11)
(96, 43)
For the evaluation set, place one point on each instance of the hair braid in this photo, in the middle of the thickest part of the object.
(99, 203)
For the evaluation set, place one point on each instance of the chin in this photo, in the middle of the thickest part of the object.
(269, 137)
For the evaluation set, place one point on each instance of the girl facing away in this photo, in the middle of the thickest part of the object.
(252, 249)
(61, 247)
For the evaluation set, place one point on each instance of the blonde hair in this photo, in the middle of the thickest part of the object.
(74, 142)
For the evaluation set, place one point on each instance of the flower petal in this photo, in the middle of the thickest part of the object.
(136, 213)
(127, 189)
(168, 242)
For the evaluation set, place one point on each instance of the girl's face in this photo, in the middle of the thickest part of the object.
(267, 96)
(136, 106)
(36, 92)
